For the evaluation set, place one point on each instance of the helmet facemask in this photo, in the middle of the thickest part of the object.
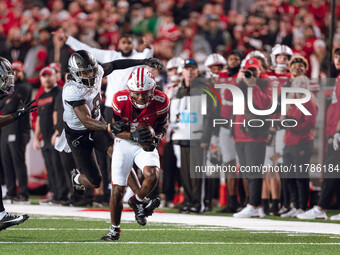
(86, 76)
(7, 83)
(141, 99)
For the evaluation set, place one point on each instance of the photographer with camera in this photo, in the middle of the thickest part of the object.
(250, 142)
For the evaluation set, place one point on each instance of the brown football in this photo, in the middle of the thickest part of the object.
(135, 126)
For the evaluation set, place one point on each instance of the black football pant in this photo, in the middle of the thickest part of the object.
(252, 154)
(2, 208)
(14, 164)
(298, 183)
(82, 144)
(55, 173)
(331, 181)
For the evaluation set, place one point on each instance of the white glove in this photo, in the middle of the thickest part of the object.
(336, 140)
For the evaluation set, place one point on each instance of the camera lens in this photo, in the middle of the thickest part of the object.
(248, 73)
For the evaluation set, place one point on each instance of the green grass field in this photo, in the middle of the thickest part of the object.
(67, 235)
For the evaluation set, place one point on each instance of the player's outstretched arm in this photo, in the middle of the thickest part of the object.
(84, 115)
(126, 63)
(24, 108)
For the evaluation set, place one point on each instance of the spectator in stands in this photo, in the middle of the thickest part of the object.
(317, 58)
(214, 35)
(36, 57)
(14, 138)
(192, 46)
(16, 49)
(148, 24)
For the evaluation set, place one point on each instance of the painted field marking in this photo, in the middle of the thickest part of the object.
(172, 243)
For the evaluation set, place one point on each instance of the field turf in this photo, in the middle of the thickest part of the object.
(68, 235)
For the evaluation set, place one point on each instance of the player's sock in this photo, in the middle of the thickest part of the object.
(135, 199)
(76, 179)
(138, 199)
(265, 205)
(113, 226)
(2, 214)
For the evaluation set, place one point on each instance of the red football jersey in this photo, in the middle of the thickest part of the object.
(123, 107)
(226, 98)
(333, 112)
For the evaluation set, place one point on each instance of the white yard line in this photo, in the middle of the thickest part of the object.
(127, 229)
(186, 219)
(172, 243)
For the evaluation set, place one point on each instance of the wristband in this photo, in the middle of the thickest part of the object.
(108, 127)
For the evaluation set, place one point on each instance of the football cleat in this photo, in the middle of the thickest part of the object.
(78, 188)
(151, 205)
(138, 208)
(10, 220)
(113, 234)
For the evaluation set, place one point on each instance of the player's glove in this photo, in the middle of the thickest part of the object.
(117, 127)
(142, 136)
(24, 108)
(155, 63)
(336, 140)
(156, 141)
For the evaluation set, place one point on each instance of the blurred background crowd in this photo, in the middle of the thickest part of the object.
(190, 30)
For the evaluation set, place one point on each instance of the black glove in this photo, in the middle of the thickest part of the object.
(156, 141)
(155, 63)
(3, 95)
(142, 136)
(24, 109)
(117, 127)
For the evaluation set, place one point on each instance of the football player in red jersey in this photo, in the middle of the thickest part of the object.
(227, 145)
(140, 102)
(331, 180)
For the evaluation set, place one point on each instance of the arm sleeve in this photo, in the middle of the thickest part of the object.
(121, 64)
(160, 124)
(76, 103)
(101, 55)
(116, 117)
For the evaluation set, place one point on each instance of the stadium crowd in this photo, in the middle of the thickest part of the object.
(199, 41)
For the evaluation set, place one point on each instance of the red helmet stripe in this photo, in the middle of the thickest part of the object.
(137, 77)
(142, 77)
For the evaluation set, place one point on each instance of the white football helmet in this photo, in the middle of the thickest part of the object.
(280, 49)
(141, 86)
(254, 54)
(176, 62)
(212, 60)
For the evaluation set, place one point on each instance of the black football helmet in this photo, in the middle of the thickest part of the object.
(83, 68)
(6, 76)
